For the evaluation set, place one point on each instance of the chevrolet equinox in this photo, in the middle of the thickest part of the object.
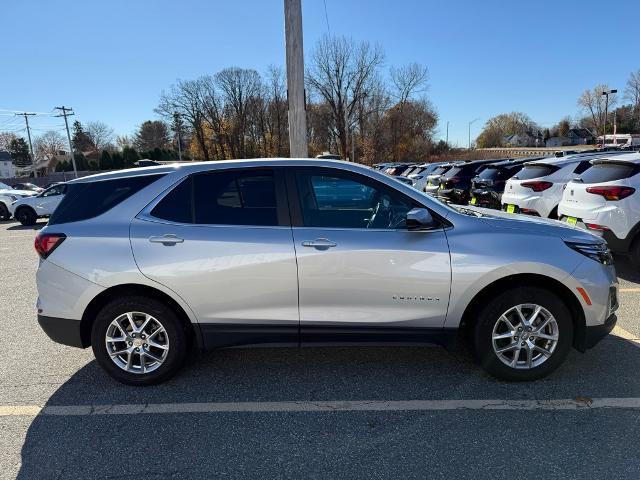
(144, 264)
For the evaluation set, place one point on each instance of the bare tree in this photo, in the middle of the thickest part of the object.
(187, 98)
(100, 134)
(341, 73)
(593, 103)
(5, 139)
(49, 143)
(409, 80)
(632, 94)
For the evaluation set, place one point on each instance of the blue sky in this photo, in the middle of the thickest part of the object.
(110, 60)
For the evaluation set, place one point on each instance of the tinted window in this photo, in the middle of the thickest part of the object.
(582, 166)
(88, 200)
(343, 201)
(57, 190)
(453, 171)
(490, 173)
(177, 205)
(235, 198)
(535, 171)
(440, 170)
(607, 172)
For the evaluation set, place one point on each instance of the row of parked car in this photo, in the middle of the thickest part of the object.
(27, 202)
(597, 191)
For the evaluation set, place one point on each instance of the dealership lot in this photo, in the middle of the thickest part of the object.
(321, 412)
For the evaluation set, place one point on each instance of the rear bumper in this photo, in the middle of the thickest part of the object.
(487, 198)
(64, 331)
(454, 195)
(594, 333)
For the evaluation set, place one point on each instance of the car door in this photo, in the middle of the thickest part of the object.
(47, 201)
(222, 241)
(359, 268)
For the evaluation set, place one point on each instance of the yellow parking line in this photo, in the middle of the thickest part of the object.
(19, 410)
(622, 333)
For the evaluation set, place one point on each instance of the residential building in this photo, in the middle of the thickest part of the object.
(581, 136)
(7, 168)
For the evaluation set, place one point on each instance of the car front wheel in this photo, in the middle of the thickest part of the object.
(523, 334)
(4, 212)
(26, 216)
(139, 340)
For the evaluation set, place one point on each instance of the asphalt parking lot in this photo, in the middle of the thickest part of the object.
(312, 413)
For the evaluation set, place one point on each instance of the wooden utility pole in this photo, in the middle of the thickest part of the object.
(295, 79)
(33, 158)
(66, 111)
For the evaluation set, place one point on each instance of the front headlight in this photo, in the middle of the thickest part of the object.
(597, 251)
(13, 198)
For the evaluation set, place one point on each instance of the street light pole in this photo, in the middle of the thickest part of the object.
(606, 93)
(471, 123)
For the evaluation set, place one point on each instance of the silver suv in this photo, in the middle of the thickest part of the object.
(144, 264)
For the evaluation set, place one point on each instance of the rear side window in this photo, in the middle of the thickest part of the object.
(177, 205)
(490, 173)
(235, 198)
(535, 171)
(608, 172)
(88, 200)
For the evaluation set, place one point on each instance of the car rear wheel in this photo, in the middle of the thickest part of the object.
(26, 216)
(4, 212)
(523, 334)
(139, 341)
(634, 253)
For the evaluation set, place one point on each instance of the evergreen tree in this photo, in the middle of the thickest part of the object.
(117, 160)
(19, 151)
(80, 140)
(130, 156)
(106, 162)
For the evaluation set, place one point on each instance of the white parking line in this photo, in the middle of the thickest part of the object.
(578, 403)
(629, 290)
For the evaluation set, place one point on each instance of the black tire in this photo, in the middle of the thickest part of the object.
(553, 214)
(634, 253)
(26, 216)
(176, 331)
(500, 304)
(4, 212)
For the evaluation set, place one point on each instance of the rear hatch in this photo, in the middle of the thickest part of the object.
(526, 184)
(433, 180)
(596, 192)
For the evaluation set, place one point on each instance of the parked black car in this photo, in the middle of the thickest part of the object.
(455, 183)
(488, 186)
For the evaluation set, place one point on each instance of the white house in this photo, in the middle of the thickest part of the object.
(7, 168)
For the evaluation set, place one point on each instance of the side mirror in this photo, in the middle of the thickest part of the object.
(420, 219)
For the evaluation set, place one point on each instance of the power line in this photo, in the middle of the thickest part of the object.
(326, 17)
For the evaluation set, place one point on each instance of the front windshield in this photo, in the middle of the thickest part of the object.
(4, 186)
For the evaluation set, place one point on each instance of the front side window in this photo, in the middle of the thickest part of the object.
(337, 200)
(57, 190)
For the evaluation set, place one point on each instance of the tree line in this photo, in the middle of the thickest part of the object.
(595, 115)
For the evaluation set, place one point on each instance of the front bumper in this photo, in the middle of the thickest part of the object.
(487, 198)
(457, 196)
(591, 335)
(65, 331)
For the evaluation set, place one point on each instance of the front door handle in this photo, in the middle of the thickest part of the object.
(319, 243)
(166, 240)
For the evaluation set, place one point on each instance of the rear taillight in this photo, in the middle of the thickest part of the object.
(45, 243)
(612, 193)
(537, 186)
(595, 226)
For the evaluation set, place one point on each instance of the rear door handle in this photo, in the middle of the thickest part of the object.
(319, 243)
(168, 239)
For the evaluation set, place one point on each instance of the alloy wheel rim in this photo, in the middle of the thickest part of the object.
(137, 342)
(525, 336)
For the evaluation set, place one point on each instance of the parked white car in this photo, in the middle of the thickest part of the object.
(605, 200)
(537, 188)
(8, 195)
(27, 210)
